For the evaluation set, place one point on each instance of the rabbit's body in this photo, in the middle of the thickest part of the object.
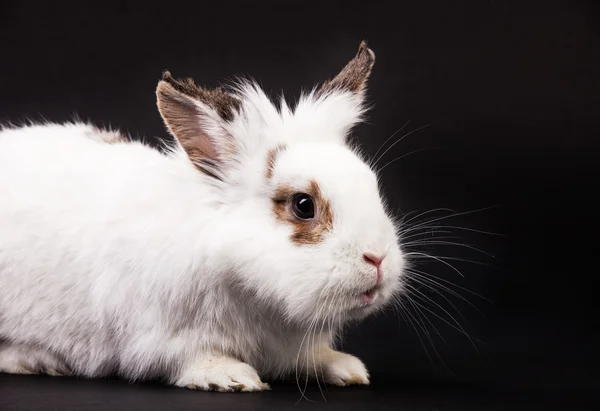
(80, 232)
(116, 258)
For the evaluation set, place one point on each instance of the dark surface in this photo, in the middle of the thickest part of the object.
(510, 94)
(386, 393)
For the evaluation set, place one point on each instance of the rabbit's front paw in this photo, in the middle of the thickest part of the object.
(344, 369)
(223, 374)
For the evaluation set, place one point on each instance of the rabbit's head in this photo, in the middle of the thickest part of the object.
(303, 222)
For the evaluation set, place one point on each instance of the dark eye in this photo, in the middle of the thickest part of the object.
(303, 206)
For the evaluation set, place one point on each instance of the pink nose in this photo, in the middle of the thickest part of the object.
(376, 261)
(373, 259)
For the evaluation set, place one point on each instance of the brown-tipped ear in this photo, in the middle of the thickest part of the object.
(218, 99)
(195, 117)
(353, 77)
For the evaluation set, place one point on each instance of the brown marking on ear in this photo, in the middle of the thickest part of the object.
(183, 106)
(271, 157)
(304, 232)
(218, 99)
(353, 77)
(183, 119)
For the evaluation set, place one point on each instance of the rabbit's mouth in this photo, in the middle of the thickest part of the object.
(368, 297)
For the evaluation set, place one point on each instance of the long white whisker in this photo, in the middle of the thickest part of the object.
(452, 216)
(319, 314)
(302, 392)
(306, 334)
(425, 227)
(425, 213)
(326, 319)
(399, 140)
(438, 242)
(429, 233)
(419, 313)
(441, 295)
(418, 309)
(437, 259)
(388, 139)
(401, 157)
(408, 316)
(457, 327)
(436, 286)
(440, 258)
(473, 230)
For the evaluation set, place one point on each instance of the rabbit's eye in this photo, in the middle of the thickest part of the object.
(303, 206)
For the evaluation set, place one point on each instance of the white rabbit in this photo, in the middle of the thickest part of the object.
(232, 259)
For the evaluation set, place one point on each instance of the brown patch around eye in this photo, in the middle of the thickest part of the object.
(271, 157)
(306, 232)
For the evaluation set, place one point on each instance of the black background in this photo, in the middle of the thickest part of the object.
(510, 94)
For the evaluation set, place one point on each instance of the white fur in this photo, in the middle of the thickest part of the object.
(117, 258)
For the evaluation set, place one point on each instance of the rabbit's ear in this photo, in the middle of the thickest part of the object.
(196, 118)
(353, 77)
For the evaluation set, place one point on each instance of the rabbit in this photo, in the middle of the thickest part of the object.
(232, 258)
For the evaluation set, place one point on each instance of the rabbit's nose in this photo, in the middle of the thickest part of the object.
(376, 260)
(373, 259)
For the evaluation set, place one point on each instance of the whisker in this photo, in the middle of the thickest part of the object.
(437, 259)
(327, 319)
(456, 228)
(389, 138)
(418, 309)
(302, 392)
(473, 230)
(307, 359)
(428, 232)
(310, 326)
(408, 315)
(437, 242)
(417, 319)
(443, 257)
(319, 314)
(429, 321)
(425, 213)
(402, 156)
(444, 297)
(456, 327)
(452, 216)
(425, 240)
(426, 277)
(399, 140)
